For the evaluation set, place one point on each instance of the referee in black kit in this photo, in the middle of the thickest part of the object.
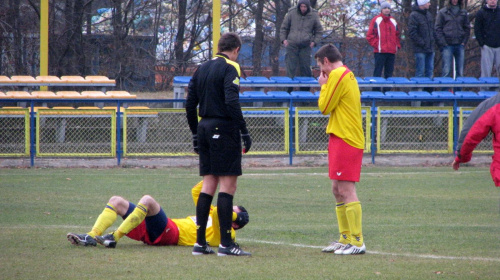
(215, 88)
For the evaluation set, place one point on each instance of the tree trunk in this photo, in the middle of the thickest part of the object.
(259, 39)
(179, 39)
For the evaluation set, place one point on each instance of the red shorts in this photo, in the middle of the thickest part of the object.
(344, 161)
(169, 236)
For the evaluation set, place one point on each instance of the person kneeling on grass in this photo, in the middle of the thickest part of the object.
(147, 222)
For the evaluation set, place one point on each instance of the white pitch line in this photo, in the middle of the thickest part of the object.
(380, 253)
(292, 244)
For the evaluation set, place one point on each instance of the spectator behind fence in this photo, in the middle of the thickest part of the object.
(483, 120)
(384, 36)
(452, 33)
(300, 31)
(422, 36)
(487, 31)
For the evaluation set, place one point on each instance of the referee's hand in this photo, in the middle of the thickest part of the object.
(247, 142)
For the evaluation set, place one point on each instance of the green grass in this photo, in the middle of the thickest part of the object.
(418, 223)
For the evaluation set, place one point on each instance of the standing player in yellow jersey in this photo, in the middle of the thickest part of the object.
(340, 98)
(147, 222)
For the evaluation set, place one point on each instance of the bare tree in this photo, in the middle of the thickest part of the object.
(258, 42)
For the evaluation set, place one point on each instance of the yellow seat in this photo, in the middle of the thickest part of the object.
(42, 94)
(120, 94)
(94, 94)
(73, 79)
(62, 108)
(23, 79)
(100, 80)
(19, 94)
(89, 107)
(5, 79)
(70, 94)
(3, 95)
(48, 79)
(97, 79)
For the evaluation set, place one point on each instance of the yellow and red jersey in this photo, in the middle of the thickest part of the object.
(340, 98)
(187, 226)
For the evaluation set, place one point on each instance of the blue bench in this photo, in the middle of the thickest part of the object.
(279, 94)
(396, 95)
(302, 94)
(419, 94)
(424, 81)
(372, 94)
(401, 81)
(281, 80)
(254, 94)
(487, 94)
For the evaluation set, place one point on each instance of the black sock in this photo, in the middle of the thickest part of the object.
(225, 211)
(202, 212)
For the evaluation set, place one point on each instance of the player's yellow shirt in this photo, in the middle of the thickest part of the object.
(341, 99)
(187, 226)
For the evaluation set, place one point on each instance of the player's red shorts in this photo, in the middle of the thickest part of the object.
(169, 236)
(344, 160)
(156, 230)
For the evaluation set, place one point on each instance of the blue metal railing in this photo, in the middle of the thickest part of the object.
(290, 102)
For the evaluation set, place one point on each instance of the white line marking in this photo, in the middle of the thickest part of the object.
(380, 253)
(290, 244)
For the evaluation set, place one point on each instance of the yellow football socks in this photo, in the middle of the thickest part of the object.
(132, 221)
(104, 221)
(354, 216)
(345, 234)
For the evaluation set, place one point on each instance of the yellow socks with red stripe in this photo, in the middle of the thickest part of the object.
(354, 216)
(132, 221)
(345, 234)
(104, 221)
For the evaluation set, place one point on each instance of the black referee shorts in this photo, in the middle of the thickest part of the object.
(219, 143)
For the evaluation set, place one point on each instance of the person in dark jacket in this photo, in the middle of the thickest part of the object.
(452, 33)
(384, 36)
(300, 31)
(422, 36)
(487, 31)
(215, 88)
(483, 120)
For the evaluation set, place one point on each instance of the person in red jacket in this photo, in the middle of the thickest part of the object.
(483, 120)
(384, 36)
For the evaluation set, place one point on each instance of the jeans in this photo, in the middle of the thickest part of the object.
(424, 64)
(449, 52)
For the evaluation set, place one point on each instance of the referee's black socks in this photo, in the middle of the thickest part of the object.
(225, 211)
(202, 212)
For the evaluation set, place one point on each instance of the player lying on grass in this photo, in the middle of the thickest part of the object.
(147, 222)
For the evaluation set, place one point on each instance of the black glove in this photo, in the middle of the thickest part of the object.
(195, 143)
(242, 219)
(247, 141)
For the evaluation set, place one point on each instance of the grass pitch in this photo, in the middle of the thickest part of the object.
(418, 223)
